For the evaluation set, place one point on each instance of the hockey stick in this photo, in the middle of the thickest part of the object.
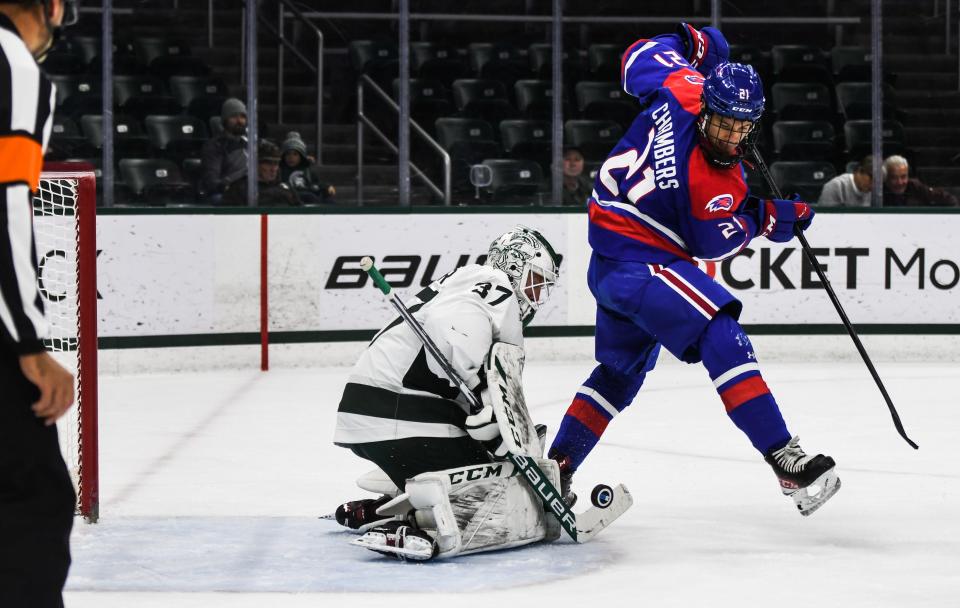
(836, 304)
(609, 503)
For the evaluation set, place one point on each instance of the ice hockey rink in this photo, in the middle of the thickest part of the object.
(212, 481)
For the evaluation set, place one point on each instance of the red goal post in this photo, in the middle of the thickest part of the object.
(64, 213)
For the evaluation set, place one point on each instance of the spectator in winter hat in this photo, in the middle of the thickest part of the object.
(224, 157)
(299, 171)
(271, 192)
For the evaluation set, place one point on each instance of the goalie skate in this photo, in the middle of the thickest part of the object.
(810, 481)
(400, 540)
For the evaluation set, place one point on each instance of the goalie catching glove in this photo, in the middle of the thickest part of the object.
(483, 427)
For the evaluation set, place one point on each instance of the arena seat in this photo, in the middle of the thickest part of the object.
(801, 101)
(803, 140)
(605, 101)
(529, 139)
(514, 180)
(176, 137)
(156, 180)
(806, 178)
(594, 138)
(482, 98)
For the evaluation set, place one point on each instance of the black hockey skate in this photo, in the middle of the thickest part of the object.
(400, 540)
(359, 513)
(809, 481)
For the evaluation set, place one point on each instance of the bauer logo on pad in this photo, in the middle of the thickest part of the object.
(723, 202)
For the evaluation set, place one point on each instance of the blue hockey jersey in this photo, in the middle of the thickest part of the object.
(657, 198)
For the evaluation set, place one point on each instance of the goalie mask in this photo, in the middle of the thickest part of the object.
(530, 262)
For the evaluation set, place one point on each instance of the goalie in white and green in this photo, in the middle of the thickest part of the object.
(444, 488)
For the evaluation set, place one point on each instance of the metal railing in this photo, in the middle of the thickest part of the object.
(363, 120)
(282, 43)
(317, 68)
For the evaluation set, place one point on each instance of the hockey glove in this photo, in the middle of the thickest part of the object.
(779, 219)
(704, 49)
(483, 427)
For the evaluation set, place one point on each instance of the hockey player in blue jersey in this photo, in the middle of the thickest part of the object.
(670, 195)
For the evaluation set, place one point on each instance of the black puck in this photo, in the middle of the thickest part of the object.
(601, 496)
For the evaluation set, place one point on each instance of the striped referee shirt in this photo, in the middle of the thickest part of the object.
(26, 113)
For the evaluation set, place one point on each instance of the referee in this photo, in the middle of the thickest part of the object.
(36, 495)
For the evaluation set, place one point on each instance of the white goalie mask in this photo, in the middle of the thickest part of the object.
(530, 262)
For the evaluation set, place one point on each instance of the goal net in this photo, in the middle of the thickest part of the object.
(64, 212)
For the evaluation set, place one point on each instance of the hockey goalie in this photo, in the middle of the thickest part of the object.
(444, 488)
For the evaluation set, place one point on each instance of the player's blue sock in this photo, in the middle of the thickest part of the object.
(604, 395)
(729, 358)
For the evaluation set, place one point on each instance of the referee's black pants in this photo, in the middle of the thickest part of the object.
(37, 499)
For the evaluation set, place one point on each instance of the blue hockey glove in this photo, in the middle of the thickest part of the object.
(785, 218)
(778, 219)
(704, 49)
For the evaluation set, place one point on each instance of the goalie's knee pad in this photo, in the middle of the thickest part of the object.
(479, 507)
(376, 481)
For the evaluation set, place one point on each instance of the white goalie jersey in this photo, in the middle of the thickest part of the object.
(396, 390)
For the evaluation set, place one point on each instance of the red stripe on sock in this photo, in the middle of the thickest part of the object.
(588, 416)
(744, 391)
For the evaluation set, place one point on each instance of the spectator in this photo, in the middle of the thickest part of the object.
(299, 171)
(271, 191)
(577, 187)
(224, 158)
(901, 191)
(849, 189)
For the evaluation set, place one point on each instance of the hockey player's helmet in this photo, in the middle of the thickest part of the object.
(531, 263)
(732, 104)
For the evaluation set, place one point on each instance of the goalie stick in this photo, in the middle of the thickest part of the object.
(836, 302)
(609, 503)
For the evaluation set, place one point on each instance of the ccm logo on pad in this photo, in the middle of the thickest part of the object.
(723, 202)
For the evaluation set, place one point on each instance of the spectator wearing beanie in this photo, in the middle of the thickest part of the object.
(299, 171)
(224, 157)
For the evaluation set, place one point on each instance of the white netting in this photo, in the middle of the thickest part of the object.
(55, 226)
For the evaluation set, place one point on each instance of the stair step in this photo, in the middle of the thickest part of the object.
(937, 81)
(929, 99)
(925, 156)
(908, 62)
(932, 136)
(927, 117)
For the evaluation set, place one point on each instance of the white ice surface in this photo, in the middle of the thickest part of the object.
(211, 484)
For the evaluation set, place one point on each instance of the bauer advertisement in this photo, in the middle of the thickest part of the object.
(886, 269)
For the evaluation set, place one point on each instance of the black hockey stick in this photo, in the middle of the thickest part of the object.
(596, 518)
(836, 303)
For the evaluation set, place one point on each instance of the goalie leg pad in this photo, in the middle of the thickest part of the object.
(481, 508)
(503, 369)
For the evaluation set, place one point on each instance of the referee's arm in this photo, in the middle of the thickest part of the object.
(25, 124)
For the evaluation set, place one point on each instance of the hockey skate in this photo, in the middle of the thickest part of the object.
(809, 481)
(361, 514)
(566, 479)
(400, 540)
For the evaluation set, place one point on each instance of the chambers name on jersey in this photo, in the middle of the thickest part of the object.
(657, 198)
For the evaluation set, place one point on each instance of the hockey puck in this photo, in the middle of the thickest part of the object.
(601, 496)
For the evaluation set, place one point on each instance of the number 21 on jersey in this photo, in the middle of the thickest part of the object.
(633, 162)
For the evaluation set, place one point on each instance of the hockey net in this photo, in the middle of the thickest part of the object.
(64, 210)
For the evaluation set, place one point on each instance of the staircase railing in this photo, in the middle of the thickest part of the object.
(363, 120)
(317, 68)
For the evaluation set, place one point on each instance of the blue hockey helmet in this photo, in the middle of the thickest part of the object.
(734, 91)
